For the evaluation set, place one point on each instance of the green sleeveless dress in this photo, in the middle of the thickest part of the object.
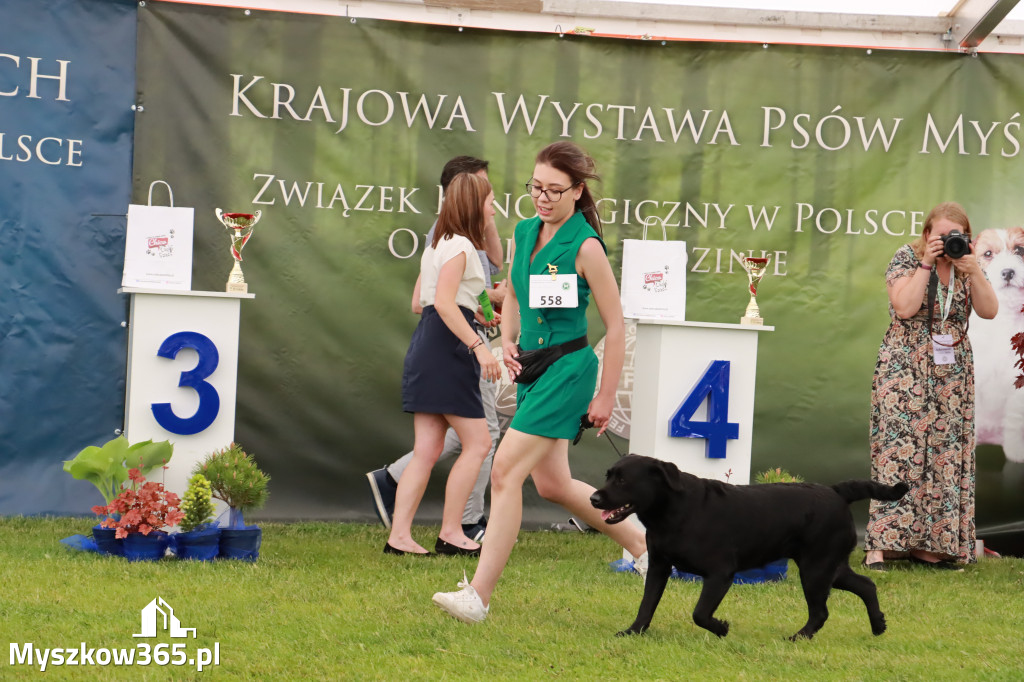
(552, 405)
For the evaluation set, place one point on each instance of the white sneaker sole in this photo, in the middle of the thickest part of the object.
(438, 600)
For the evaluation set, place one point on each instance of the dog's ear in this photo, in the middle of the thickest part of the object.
(673, 477)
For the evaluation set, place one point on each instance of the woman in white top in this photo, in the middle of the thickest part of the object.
(443, 367)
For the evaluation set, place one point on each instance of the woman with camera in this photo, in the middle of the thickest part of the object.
(922, 398)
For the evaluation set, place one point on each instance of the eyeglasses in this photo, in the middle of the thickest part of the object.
(549, 194)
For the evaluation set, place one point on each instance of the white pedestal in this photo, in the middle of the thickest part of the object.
(182, 374)
(671, 358)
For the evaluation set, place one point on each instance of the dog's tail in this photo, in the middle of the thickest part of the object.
(851, 491)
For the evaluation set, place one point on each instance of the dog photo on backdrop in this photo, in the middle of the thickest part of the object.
(999, 410)
(714, 529)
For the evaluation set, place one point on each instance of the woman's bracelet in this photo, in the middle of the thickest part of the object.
(924, 266)
(479, 342)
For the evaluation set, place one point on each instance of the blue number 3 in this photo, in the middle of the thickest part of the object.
(209, 400)
(714, 385)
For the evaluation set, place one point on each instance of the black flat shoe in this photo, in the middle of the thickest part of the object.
(448, 549)
(388, 549)
(874, 566)
(938, 565)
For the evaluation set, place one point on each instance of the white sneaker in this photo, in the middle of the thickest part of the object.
(640, 565)
(466, 604)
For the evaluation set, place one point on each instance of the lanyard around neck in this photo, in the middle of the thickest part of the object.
(933, 283)
(944, 309)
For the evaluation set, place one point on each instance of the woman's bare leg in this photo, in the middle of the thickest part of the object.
(476, 444)
(518, 453)
(429, 439)
(554, 482)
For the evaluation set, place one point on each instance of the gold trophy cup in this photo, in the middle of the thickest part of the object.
(755, 268)
(239, 226)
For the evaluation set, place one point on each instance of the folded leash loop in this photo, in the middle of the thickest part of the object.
(585, 424)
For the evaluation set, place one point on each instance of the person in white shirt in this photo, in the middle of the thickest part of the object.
(443, 366)
(383, 482)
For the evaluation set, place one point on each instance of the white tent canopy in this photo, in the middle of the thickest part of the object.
(949, 25)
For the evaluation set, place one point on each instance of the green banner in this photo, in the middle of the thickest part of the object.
(824, 159)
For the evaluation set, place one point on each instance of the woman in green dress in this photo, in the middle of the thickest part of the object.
(558, 260)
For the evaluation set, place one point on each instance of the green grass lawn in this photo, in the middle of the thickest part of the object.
(323, 603)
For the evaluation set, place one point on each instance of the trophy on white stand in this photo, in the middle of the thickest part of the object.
(755, 268)
(240, 226)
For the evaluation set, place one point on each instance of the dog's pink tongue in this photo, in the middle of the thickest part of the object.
(605, 514)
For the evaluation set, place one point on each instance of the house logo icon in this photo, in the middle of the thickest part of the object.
(170, 621)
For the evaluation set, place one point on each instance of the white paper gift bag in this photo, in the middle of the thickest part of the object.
(654, 278)
(158, 245)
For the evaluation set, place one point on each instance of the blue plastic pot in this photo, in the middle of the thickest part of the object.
(773, 571)
(106, 543)
(241, 543)
(776, 570)
(200, 545)
(139, 547)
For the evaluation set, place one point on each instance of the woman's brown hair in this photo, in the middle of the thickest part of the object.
(579, 166)
(462, 211)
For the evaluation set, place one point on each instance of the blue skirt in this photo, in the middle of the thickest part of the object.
(441, 376)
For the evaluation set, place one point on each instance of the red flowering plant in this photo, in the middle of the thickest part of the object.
(1017, 343)
(142, 508)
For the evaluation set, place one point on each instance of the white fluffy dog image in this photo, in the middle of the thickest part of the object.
(999, 413)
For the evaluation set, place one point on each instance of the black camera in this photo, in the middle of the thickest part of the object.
(955, 245)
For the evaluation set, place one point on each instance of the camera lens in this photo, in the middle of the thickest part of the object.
(955, 245)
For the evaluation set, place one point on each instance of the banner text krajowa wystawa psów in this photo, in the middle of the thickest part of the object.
(826, 160)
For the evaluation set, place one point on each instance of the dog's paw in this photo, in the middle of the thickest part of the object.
(628, 632)
(712, 625)
(878, 625)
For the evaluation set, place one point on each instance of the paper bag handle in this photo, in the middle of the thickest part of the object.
(647, 223)
(170, 194)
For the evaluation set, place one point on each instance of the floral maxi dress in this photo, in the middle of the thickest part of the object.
(922, 429)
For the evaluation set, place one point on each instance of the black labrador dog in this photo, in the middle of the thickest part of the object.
(714, 529)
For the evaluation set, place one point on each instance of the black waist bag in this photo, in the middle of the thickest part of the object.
(536, 362)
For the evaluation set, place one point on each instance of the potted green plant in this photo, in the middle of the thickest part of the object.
(199, 538)
(138, 514)
(777, 476)
(236, 480)
(107, 468)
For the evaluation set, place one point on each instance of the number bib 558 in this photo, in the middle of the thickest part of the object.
(553, 292)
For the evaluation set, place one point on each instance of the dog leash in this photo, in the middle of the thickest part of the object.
(585, 424)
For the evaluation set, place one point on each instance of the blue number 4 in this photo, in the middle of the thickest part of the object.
(714, 386)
